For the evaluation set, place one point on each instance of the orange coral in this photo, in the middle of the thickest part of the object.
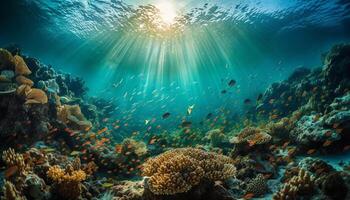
(21, 67)
(23, 80)
(36, 96)
(178, 170)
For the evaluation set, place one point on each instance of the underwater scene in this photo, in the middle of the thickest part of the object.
(175, 99)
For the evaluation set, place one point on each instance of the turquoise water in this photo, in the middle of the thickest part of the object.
(126, 52)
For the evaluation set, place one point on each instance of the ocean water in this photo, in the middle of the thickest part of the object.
(162, 63)
(253, 42)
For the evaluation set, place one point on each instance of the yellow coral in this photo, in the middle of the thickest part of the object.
(178, 170)
(11, 158)
(21, 67)
(68, 182)
(252, 136)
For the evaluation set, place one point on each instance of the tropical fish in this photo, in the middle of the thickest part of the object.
(166, 115)
(186, 124)
(152, 141)
(102, 131)
(232, 83)
(107, 185)
(75, 153)
(118, 148)
(311, 151)
(260, 96)
(49, 150)
(209, 115)
(347, 147)
(190, 109)
(327, 143)
(248, 196)
(11, 171)
(247, 101)
(223, 91)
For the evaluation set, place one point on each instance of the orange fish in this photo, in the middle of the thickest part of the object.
(335, 125)
(248, 196)
(274, 116)
(118, 148)
(327, 143)
(328, 134)
(152, 141)
(11, 171)
(347, 147)
(311, 151)
(102, 131)
(319, 171)
(285, 145)
(338, 130)
(251, 143)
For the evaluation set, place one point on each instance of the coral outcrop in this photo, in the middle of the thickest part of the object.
(68, 181)
(178, 170)
(257, 186)
(300, 185)
(252, 136)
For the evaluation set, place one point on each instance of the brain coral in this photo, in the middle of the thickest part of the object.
(178, 170)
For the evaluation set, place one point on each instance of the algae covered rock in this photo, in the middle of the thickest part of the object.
(310, 130)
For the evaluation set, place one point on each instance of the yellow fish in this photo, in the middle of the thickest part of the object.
(74, 153)
(190, 109)
(107, 185)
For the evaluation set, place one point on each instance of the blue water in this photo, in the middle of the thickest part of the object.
(149, 71)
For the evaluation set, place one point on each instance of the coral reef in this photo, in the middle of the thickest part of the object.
(257, 186)
(71, 147)
(68, 181)
(178, 170)
(310, 129)
(73, 117)
(299, 185)
(252, 136)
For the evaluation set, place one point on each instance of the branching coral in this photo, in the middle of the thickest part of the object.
(252, 136)
(10, 192)
(13, 159)
(178, 170)
(68, 182)
(300, 185)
